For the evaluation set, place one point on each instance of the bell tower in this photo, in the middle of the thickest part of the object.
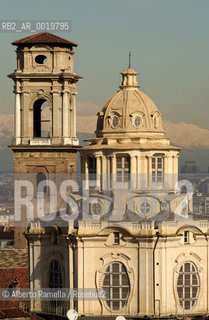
(45, 139)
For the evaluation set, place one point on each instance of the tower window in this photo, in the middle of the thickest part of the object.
(41, 119)
(41, 59)
(41, 177)
(123, 169)
(116, 282)
(188, 285)
(55, 280)
(157, 169)
(55, 276)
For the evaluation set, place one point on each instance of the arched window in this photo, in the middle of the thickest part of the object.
(39, 178)
(188, 285)
(55, 276)
(41, 119)
(116, 282)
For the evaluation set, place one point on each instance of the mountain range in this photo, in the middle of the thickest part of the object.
(193, 140)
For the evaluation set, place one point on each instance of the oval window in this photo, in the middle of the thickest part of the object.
(97, 208)
(145, 207)
(155, 121)
(116, 284)
(137, 121)
(188, 285)
(41, 59)
(115, 122)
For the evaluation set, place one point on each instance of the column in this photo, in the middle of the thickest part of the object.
(168, 172)
(133, 172)
(65, 110)
(17, 118)
(138, 172)
(104, 172)
(71, 271)
(98, 170)
(108, 172)
(56, 115)
(86, 175)
(72, 130)
(175, 171)
(73, 116)
(113, 170)
(143, 173)
(149, 172)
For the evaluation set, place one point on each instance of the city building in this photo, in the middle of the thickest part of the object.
(189, 167)
(6, 237)
(127, 228)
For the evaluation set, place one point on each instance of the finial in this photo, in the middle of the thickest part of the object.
(129, 60)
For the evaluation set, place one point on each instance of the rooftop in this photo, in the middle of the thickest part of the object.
(15, 258)
(44, 38)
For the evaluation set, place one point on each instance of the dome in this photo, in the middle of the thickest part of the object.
(129, 111)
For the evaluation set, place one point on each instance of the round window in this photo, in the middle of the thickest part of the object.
(97, 208)
(145, 207)
(115, 122)
(137, 121)
(41, 59)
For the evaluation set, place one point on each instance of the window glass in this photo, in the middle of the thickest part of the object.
(188, 285)
(157, 169)
(115, 122)
(55, 277)
(123, 169)
(137, 122)
(116, 282)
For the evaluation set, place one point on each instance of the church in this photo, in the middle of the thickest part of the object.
(129, 229)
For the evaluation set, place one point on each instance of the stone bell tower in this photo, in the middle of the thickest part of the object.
(45, 139)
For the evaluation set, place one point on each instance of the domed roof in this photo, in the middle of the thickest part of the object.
(129, 111)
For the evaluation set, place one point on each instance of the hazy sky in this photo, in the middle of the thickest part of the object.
(169, 41)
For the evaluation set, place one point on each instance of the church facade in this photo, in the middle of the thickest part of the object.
(129, 229)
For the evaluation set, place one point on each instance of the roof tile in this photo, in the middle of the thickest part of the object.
(44, 38)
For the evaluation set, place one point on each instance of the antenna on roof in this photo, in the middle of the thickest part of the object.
(129, 59)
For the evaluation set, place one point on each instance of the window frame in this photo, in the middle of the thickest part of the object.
(188, 288)
(123, 170)
(156, 170)
(122, 302)
(54, 273)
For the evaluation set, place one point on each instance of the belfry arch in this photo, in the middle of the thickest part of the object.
(42, 119)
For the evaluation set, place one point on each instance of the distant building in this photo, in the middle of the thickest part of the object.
(201, 203)
(6, 237)
(189, 167)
